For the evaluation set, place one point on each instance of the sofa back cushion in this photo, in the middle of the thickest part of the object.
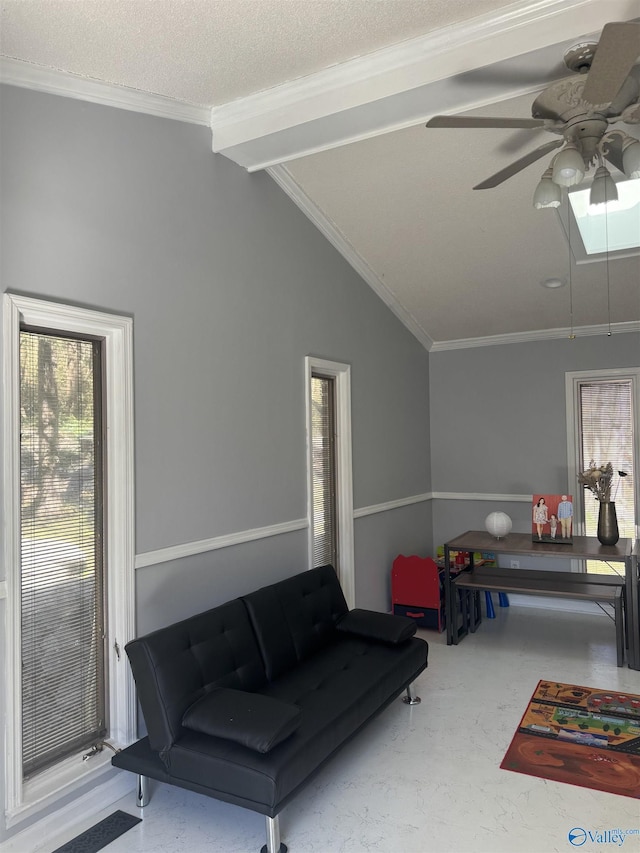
(295, 617)
(175, 666)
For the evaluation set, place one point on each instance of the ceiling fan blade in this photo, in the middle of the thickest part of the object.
(518, 165)
(500, 75)
(617, 51)
(481, 121)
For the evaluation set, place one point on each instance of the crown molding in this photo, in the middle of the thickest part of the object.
(285, 181)
(14, 72)
(538, 335)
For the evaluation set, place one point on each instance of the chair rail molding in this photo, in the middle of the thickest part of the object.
(481, 496)
(387, 506)
(190, 549)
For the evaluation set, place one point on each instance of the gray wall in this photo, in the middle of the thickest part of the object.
(406, 530)
(229, 286)
(498, 423)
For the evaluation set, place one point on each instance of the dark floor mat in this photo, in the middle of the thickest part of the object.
(101, 834)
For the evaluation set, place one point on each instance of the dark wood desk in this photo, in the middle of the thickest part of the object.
(463, 615)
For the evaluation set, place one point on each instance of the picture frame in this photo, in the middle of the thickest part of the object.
(552, 519)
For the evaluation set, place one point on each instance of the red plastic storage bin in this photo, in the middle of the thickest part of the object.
(417, 592)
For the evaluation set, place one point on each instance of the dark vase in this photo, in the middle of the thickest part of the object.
(608, 523)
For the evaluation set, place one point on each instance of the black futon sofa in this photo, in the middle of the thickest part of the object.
(247, 701)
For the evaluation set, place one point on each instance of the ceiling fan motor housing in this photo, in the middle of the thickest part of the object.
(563, 101)
(579, 121)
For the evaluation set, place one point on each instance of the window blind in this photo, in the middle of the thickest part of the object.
(61, 567)
(324, 471)
(607, 435)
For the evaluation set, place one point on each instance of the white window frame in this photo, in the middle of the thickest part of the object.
(24, 799)
(572, 385)
(344, 477)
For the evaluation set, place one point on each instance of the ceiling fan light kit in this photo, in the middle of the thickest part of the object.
(568, 166)
(547, 192)
(603, 188)
(631, 157)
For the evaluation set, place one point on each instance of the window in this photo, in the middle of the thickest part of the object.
(325, 532)
(68, 501)
(603, 418)
(61, 559)
(329, 483)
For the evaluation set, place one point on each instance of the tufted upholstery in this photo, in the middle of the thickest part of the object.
(296, 617)
(175, 666)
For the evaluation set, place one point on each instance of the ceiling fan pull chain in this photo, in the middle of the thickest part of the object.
(572, 336)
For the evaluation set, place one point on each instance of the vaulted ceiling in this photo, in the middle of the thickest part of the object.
(331, 97)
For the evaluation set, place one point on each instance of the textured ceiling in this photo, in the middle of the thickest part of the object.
(453, 263)
(214, 51)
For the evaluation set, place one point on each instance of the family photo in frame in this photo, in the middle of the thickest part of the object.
(552, 519)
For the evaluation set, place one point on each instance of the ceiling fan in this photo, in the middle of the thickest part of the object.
(580, 109)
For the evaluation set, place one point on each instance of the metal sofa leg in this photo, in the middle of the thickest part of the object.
(411, 698)
(273, 844)
(142, 793)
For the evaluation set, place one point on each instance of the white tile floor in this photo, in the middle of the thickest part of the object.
(427, 779)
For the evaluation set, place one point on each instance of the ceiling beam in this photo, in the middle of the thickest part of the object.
(405, 84)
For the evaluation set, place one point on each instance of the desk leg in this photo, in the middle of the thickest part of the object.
(448, 603)
(632, 610)
(475, 610)
(619, 621)
(460, 599)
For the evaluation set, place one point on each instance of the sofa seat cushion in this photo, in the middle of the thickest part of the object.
(384, 627)
(337, 690)
(251, 719)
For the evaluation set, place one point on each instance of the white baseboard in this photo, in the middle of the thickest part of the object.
(83, 808)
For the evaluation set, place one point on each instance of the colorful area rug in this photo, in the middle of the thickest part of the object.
(101, 834)
(581, 736)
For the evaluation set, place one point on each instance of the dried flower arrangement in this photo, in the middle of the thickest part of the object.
(598, 479)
